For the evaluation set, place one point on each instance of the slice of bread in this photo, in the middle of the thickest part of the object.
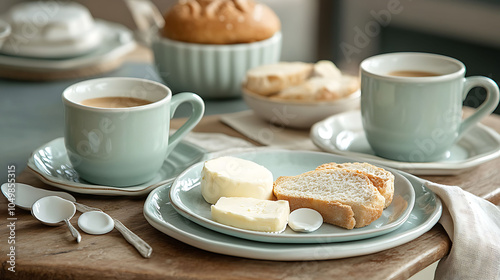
(326, 69)
(346, 198)
(320, 89)
(382, 179)
(272, 78)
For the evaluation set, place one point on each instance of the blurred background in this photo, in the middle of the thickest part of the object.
(347, 32)
(467, 30)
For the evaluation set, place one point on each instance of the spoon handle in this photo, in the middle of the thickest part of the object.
(73, 231)
(142, 247)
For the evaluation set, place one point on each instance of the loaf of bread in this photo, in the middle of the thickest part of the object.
(220, 22)
(271, 78)
(346, 198)
(382, 179)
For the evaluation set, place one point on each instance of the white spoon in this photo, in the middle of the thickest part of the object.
(305, 220)
(53, 210)
(95, 222)
(25, 195)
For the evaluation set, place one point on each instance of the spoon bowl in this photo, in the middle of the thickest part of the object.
(54, 211)
(305, 220)
(95, 222)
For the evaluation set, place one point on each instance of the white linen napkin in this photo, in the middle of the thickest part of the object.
(218, 144)
(473, 225)
(253, 127)
(471, 222)
(215, 142)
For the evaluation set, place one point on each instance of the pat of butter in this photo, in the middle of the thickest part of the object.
(251, 213)
(235, 177)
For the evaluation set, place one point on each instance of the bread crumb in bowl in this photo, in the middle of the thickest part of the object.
(321, 81)
(297, 94)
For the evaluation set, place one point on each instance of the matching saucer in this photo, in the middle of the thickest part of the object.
(51, 164)
(343, 134)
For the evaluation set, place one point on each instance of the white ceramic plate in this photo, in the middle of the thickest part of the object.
(186, 198)
(160, 213)
(51, 163)
(117, 40)
(343, 134)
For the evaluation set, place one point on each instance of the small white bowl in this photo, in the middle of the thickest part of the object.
(211, 71)
(298, 114)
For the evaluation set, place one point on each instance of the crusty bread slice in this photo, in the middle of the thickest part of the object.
(272, 78)
(382, 179)
(346, 198)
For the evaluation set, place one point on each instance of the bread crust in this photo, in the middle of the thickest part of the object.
(383, 181)
(220, 22)
(348, 214)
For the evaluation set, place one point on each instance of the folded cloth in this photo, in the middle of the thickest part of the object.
(268, 134)
(473, 225)
(218, 144)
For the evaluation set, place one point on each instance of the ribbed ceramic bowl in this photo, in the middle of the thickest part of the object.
(295, 113)
(211, 71)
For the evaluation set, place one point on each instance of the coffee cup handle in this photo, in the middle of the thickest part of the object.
(487, 107)
(198, 109)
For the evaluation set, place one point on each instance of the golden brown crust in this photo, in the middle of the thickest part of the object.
(220, 22)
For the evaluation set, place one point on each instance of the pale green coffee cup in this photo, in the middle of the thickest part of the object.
(123, 146)
(418, 119)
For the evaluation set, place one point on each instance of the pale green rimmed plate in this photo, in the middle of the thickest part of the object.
(186, 198)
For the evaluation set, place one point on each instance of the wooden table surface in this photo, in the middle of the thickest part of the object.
(44, 252)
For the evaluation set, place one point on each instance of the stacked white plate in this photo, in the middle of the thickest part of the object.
(50, 30)
(180, 211)
(55, 36)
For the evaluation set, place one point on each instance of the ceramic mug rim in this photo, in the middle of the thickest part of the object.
(366, 67)
(163, 94)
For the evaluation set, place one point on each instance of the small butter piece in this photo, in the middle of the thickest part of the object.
(235, 177)
(251, 213)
